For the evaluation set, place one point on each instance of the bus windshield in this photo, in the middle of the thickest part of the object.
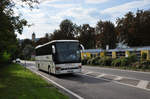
(68, 52)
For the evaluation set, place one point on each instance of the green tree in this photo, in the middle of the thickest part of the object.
(105, 34)
(134, 30)
(42, 41)
(26, 42)
(28, 51)
(9, 24)
(57, 35)
(66, 31)
(87, 36)
(23, 44)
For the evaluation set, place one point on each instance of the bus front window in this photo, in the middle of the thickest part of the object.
(68, 52)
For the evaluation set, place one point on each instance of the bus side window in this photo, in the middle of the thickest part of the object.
(37, 52)
(50, 48)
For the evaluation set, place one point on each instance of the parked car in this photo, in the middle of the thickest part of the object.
(18, 60)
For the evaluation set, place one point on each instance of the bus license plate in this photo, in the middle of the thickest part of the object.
(70, 71)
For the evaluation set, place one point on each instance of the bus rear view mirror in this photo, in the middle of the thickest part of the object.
(53, 49)
(82, 47)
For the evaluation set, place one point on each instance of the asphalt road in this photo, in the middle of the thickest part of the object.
(93, 88)
(125, 73)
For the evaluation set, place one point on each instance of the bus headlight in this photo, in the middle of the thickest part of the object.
(57, 68)
(80, 66)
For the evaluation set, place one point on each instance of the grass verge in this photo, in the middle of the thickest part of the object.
(16, 83)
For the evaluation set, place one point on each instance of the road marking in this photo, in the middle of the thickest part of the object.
(142, 84)
(83, 70)
(88, 73)
(67, 90)
(79, 97)
(100, 75)
(117, 82)
(118, 78)
(122, 70)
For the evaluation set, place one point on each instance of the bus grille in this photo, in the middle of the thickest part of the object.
(69, 68)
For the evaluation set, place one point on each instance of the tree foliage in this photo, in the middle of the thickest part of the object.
(66, 31)
(134, 30)
(106, 34)
(26, 42)
(28, 51)
(9, 24)
(87, 36)
(42, 41)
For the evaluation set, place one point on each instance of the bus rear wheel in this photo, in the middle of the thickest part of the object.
(49, 70)
(38, 67)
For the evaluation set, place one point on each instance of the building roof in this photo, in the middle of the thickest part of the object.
(118, 49)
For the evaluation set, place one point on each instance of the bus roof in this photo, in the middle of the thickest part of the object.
(55, 41)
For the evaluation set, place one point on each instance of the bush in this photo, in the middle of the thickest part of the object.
(116, 62)
(95, 60)
(136, 65)
(142, 64)
(120, 62)
(105, 61)
(132, 58)
(32, 59)
(84, 61)
(145, 64)
(124, 61)
(144, 56)
(90, 61)
(5, 57)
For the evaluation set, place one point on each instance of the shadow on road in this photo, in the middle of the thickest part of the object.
(80, 78)
(76, 77)
(73, 77)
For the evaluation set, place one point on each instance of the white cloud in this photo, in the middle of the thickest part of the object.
(42, 23)
(18, 2)
(59, 5)
(39, 29)
(80, 14)
(121, 9)
(51, 1)
(96, 1)
(49, 15)
(45, 21)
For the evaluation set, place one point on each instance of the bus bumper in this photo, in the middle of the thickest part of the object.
(68, 71)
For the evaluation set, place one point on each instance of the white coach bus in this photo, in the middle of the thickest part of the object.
(59, 56)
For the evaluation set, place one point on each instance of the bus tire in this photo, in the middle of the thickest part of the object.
(49, 70)
(38, 67)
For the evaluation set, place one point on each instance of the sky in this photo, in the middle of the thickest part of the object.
(49, 14)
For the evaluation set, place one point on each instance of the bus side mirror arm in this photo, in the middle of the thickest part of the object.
(82, 47)
(53, 49)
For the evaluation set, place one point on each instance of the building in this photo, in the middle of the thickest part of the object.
(117, 53)
(33, 37)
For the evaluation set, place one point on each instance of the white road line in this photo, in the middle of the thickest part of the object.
(118, 78)
(123, 70)
(117, 82)
(142, 84)
(88, 73)
(67, 90)
(83, 70)
(100, 75)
